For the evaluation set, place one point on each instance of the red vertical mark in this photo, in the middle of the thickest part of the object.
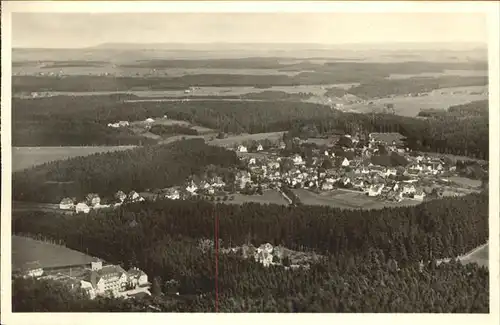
(216, 262)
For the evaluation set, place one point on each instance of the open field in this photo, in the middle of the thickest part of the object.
(268, 196)
(237, 139)
(27, 157)
(317, 90)
(346, 200)
(479, 256)
(119, 71)
(437, 99)
(25, 250)
(466, 182)
(464, 73)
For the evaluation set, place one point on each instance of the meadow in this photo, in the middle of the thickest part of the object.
(27, 157)
(438, 99)
(346, 200)
(25, 250)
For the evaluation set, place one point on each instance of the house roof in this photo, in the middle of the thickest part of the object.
(105, 272)
(135, 272)
(67, 200)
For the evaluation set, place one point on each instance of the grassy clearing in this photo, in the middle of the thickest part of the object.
(465, 182)
(438, 99)
(462, 73)
(479, 256)
(25, 250)
(268, 197)
(346, 200)
(27, 157)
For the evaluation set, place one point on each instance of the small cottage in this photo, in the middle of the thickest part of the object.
(67, 204)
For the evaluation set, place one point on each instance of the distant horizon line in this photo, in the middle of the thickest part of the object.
(137, 44)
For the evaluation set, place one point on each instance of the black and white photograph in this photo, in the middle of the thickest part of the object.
(239, 161)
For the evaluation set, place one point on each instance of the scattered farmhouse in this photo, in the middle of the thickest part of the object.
(67, 204)
(82, 207)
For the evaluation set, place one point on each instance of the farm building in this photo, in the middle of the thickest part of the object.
(82, 207)
(32, 269)
(67, 204)
(242, 148)
(120, 196)
(149, 120)
(92, 199)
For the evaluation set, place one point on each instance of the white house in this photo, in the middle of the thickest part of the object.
(264, 254)
(242, 148)
(133, 196)
(259, 147)
(107, 279)
(409, 189)
(123, 123)
(149, 120)
(67, 204)
(113, 125)
(120, 196)
(82, 207)
(326, 153)
(420, 195)
(375, 190)
(192, 188)
(390, 172)
(137, 277)
(297, 160)
(32, 269)
(92, 199)
(345, 162)
(251, 161)
(172, 194)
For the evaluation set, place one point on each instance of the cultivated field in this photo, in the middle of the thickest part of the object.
(346, 200)
(25, 250)
(437, 99)
(317, 90)
(462, 73)
(27, 157)
(268, 196)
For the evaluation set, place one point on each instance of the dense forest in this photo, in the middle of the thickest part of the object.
(449, 134)
(157, 166)
(166, 130)
(371, 258)
(470, 110)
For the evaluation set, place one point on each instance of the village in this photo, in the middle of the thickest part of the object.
(380, 167)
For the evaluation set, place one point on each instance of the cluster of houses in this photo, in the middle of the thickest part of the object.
(93, 202)
(96, 279)
(267, 255)
(119, 124)
(360, 167)
(416, 178)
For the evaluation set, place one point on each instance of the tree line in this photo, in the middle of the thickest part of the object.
(139, 169)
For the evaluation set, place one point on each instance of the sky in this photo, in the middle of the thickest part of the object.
(75, 30)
